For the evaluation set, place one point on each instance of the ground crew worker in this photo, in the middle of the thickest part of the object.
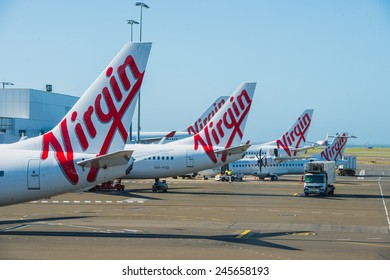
(230, 172)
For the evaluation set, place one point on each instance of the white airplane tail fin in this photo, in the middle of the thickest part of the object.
(98, 124)
(335, 150)
(207, 115)
(226, 128)
(296, 134)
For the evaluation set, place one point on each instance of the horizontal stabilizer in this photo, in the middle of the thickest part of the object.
(104, 161)
(234, 150)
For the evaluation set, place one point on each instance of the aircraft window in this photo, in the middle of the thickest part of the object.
(162, 158)
(167, 158)
(154, 157)
(1, 173)
(149, 158)
(158, 158)
(171, 158)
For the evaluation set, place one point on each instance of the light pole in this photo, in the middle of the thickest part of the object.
(142, 5)
(132, 22)
(6, 84)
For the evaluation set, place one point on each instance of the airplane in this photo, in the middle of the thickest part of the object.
(166, 137)
(217, 143)
(289, 143)
(87, 146)
(287, 146)
(325, 142)
(268, 167)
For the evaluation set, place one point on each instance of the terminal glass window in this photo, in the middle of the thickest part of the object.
(6, 123)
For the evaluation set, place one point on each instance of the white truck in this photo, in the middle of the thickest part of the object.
(348, 167)
(319, 177)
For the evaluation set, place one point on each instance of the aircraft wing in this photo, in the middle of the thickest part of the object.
(113, 159)
(234, 150)
(150, 140)
(303, 148)
(159, 139)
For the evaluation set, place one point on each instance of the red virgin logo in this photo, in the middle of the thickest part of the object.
(199, 124)
(83, 126)
(226, 128)
(295, 136)
(335, 151)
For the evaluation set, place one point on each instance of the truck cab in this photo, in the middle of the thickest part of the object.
(317, 184)
(319, 178)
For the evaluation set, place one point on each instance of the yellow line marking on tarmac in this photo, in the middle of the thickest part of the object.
(242, 234)
(304, 233)
(366, 244)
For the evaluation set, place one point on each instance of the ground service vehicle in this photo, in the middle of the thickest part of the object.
(349, 167)
(113, 185)
(319, 177)
(225, 178)
(160, 185)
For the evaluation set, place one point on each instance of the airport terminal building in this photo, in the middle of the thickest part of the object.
(30, 112)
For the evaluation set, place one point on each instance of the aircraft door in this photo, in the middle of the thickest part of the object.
(190, 158)
(33, 174)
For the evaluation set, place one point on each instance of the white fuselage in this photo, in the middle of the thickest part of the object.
(24, 176)
(268, 149)
(165, 160)
(251, 167)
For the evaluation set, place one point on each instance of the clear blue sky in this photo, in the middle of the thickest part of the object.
(332, 56)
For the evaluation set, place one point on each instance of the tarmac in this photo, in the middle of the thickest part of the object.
(206, 220)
